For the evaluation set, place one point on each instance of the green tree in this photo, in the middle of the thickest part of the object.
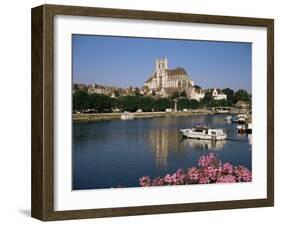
(215, 103)
(208, 98)
(117, 93)
(130, 90)
(113, 102)
(162, 104)
(146, 103)
(194, 104)
(101, 102)
(75, 87)
(242, 94)
(225, 103)
(230, 95)
(81, 100)
(128, 103)
(183, 103)
(137, 91)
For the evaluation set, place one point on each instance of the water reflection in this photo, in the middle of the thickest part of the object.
(161, 142)
(111, 153)
(250, 139)
(204, 144)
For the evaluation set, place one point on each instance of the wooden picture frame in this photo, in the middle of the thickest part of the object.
(43, 111)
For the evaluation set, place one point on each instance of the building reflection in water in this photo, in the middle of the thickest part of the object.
(250, 138)
(163, 141)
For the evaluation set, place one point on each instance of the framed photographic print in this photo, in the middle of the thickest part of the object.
(141, 112)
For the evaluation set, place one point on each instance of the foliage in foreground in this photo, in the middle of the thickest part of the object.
(209, 170)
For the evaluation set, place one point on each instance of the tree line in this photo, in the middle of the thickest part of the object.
(83, 101)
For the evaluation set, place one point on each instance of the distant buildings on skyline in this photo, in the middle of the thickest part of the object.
(163, 82)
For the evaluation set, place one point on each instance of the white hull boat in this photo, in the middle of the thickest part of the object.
(204, 133)
(222, 111)
(228, 118)
(127, 116)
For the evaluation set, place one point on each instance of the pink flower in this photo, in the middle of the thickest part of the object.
(180, 177)
(226, 179)
(168, 179)
(204, 180)
(202, 161)
(243, 174)
(145, 181)
(174, 178)
(219, 170)
(193, 174)
(208, 160)
(158, 182)
(227, 168)
(209, 170)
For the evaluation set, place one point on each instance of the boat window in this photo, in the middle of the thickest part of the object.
(213, 133)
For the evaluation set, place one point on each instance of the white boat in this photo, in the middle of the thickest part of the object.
(204, 133)
(221, 110)
(127, 116)
(245, 116)
(241, 120)
(228, 118)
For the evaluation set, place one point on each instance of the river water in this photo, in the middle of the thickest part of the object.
(116, 153)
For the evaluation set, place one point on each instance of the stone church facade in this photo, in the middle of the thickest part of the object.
(165, 81)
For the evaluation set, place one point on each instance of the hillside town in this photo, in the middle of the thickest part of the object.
(163, 82)
(197, 93)
(166, 89)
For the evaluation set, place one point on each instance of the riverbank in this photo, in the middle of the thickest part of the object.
(116, 116)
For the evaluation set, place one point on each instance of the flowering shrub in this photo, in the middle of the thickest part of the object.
(209, 170)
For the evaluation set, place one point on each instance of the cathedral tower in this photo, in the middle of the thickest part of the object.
(161, 64)
(161, 74)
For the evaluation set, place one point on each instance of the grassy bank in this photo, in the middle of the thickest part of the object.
(117, 116)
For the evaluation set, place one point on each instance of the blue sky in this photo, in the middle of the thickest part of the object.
(121, 61)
